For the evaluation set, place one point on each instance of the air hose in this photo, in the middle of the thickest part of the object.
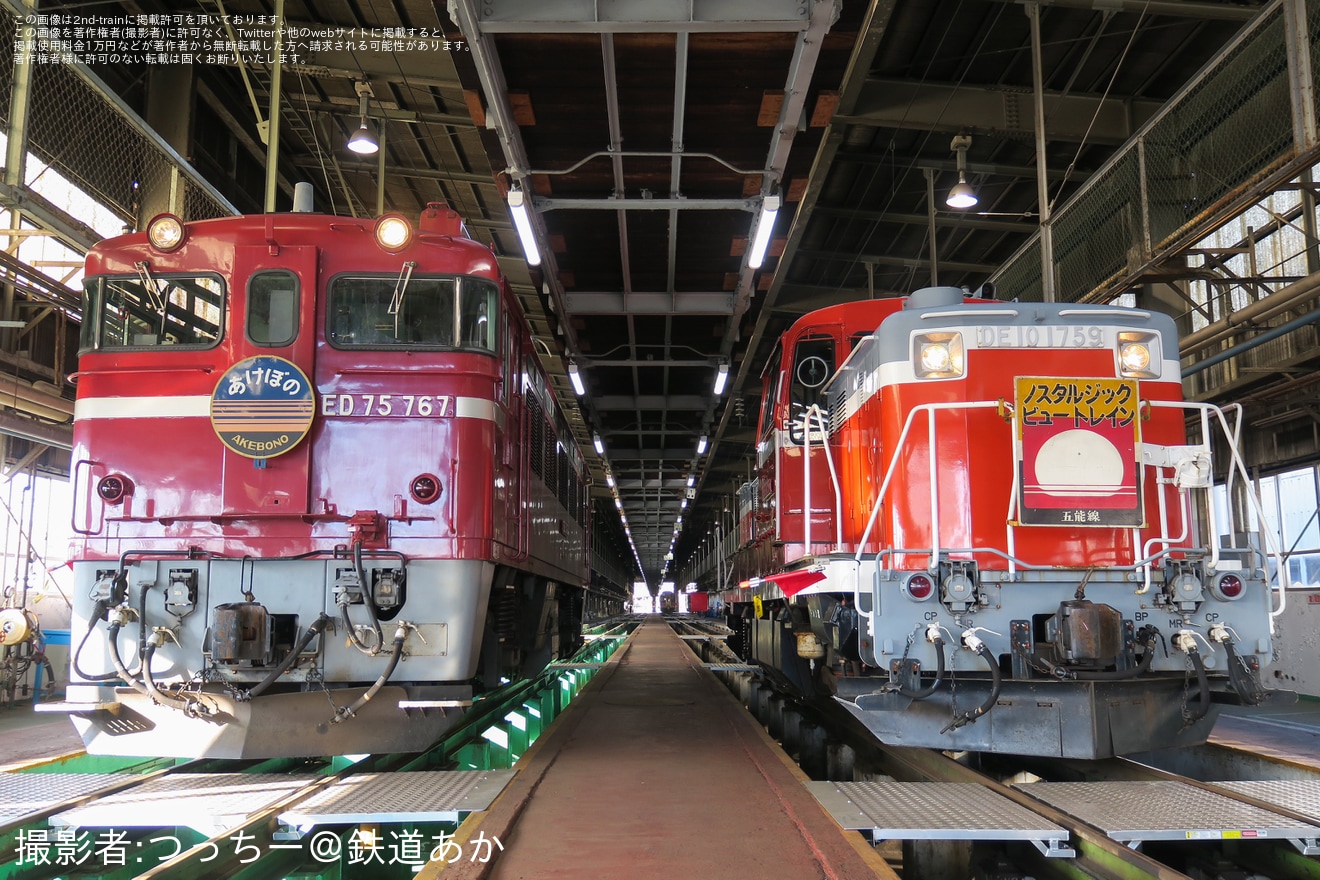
(1192, 715)
(349, 711)
(318, 626)
(1246, 684)
(366, 600)
(996, 684)
(925, 692)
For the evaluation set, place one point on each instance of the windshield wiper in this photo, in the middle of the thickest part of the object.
(401, 287)
(156, 294)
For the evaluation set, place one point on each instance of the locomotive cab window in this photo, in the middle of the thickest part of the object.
(813, 364)
(769, 400)
(150, 311)
(476, 315)
(406, 311)
(272, 308)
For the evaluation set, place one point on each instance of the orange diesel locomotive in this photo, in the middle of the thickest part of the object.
(993, 508)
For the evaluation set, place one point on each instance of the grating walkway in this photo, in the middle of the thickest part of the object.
(657, 771)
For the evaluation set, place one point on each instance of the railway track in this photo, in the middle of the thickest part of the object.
(103, 818)
(162, 818)
(1208, 814)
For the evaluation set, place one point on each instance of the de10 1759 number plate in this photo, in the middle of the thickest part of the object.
(1040, 336)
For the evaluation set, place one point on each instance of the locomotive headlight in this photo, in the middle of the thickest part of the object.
(1135, 357)
(938, 355)
(1227, 587)
(165, 232)
(113, 488)
(425, 488)
(393, 232)
(1138, 355)
(935, 357)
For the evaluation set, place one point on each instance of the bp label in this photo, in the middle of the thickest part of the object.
(262, 407)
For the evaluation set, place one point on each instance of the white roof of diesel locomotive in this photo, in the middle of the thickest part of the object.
(885, 357)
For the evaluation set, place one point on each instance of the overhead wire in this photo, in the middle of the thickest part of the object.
(316, 143)
(1118, 66)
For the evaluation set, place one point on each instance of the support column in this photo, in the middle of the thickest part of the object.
(170, 100)
(273, 113)
(20, 97)
(1042, 181)
(930, 223)
(1301, 79)
(380, 169)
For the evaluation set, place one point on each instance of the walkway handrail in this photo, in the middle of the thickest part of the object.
(814, 411)
(1284, 581)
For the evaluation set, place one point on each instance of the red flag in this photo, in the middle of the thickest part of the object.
(794, 582)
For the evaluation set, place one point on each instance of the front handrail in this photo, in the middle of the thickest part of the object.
(930, 409)
(90, 494)
(1284, 581)
(1147, 558)
(1022, 563)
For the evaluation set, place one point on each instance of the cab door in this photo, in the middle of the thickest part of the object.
(814, 358)
(264, 403)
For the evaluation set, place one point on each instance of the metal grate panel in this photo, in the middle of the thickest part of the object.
(935, 811)
(1299, 795)
(207, 802)
(1133, 811)
(26, 794)
(427, 796)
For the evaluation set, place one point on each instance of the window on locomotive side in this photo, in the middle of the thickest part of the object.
(477, 314)
(770, 385)
(150, 311)
(813, 364)
(272, 308)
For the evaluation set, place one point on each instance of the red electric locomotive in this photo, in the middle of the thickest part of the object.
(989, 516)
(322, 488)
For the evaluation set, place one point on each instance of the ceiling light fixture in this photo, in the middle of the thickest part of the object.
(962, 195)
(702, 444)
(721, 379)
(765, 225)
(523, 221)
(575, 376)
(598, 443)
(363, 142)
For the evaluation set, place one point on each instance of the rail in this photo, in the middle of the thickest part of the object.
(251, 839)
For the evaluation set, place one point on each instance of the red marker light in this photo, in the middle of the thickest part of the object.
(425, 488)
(1229, 587)
(113, 488)
(919, 587)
